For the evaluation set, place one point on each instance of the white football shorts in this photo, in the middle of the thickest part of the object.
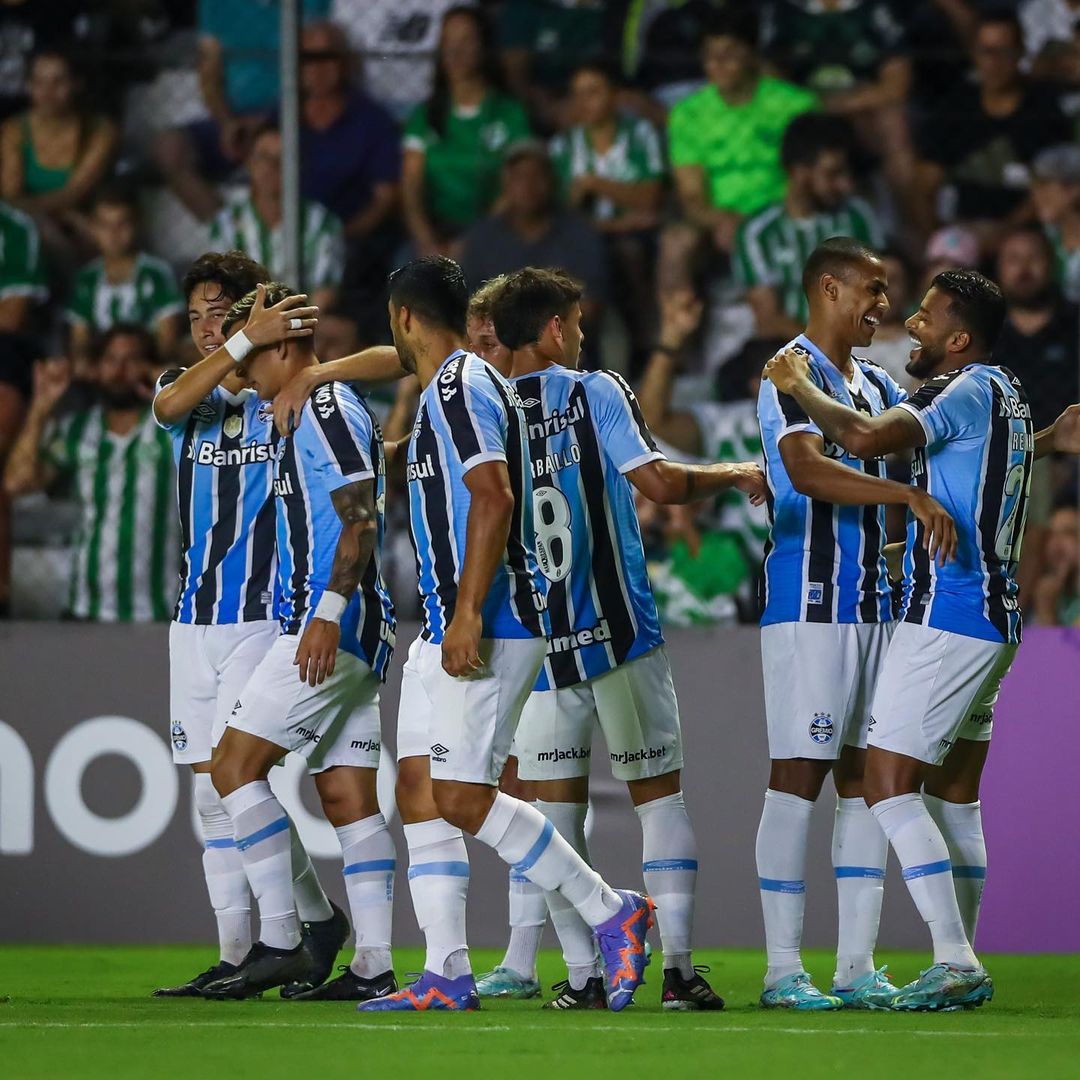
(638, 713)
(208, 667)
(936, 687)
(819, 682)
(334, 723)
(465, 725)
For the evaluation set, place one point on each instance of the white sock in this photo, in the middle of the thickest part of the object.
(781, 865)
(261, 828)
(223, 869)
(669, 865)
(439, 883)
(575, 935)
(311, 902)
(367, 851)
(528, 914)
(924, 858)
(961, 825)
(859, 853)
(526, 840)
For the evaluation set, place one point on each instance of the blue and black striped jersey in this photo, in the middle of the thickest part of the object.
(469, 414)
(980, 446)
(823, 563)
(585, 432)
(337, 443)
(224, 452)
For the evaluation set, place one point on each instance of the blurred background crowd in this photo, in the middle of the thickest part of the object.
(681, 157)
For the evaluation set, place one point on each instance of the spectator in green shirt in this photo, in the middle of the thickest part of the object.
(454, 142)
(22, 273)
(724, 143)
(123, 285)
(772, 245)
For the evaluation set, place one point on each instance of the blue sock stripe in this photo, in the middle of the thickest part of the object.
(371, 866)
(443, 869)
(537, 849)
(861, 872)
(977, 872)
(519, 878)
(275, 827)
(926, 869)
(227, 843)
(776, 885)
(669, 864)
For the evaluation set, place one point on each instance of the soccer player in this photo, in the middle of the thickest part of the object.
(825, 628)
(316, 691)
(606, 658)
(970, 428)
(478, 654)
(225, 616)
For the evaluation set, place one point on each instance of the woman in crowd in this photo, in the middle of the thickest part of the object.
(454, 141)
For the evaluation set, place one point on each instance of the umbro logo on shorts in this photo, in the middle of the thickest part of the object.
(439, 752)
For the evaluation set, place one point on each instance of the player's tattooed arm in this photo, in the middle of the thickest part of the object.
(377, 364)
(1062, 436)
(355, 506)
(316, 654)
(868, 437)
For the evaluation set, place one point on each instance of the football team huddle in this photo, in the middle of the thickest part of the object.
(881, 662)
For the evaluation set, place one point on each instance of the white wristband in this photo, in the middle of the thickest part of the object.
(331, 607)
(238, 346)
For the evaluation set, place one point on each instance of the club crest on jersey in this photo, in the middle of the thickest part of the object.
(265, 412)
(179, 737)
(821, 727)
(232, 427)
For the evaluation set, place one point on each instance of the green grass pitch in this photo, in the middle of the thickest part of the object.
(74, 1013)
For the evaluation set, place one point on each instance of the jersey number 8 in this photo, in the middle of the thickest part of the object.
(554, 546)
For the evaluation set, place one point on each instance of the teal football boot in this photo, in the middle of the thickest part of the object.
(798, 992)
(506, 983)
(873, 991)
(943, 988)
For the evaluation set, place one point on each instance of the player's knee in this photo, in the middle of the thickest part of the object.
(463, 806)
(412, 791)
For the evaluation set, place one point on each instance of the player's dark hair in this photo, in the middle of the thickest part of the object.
(810, 135)
(975, 302)
(434, 289)
(438, 104)
(528, 300)
(147, 341)
(234, 273)
(732, 22)
(838, 255)
(241, 309)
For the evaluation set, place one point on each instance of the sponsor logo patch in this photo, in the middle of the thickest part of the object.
(647, 753)
(574, 753)
(439, 752)
(179, 736)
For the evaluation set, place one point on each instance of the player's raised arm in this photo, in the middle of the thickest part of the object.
(487, 530)
(291, 318)
(355, 506)
(1062, 436)
(860, 434)
(377, 364)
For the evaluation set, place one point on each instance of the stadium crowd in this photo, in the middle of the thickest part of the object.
(679, 157)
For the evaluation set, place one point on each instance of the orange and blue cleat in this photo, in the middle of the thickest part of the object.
(430, 991)
(622, 946)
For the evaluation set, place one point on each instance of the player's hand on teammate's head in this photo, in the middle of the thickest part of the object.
(786, 368)
(1067, 431)
(292, 317)
(52, 377)
(461, 645)
(939, 537)
(750, 480)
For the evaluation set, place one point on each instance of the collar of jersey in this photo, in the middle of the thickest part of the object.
(824, 362)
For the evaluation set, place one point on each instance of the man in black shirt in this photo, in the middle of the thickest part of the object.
(982, 139)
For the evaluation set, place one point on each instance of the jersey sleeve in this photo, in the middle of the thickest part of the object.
(751, 266)
(624, 435)
(788, 416)
(473, 412)
(22, 272)
(684, 144)
(416, 133)
(337, 434)
(948, 407)
(650, 154)
(167, 378)
(81, 308)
